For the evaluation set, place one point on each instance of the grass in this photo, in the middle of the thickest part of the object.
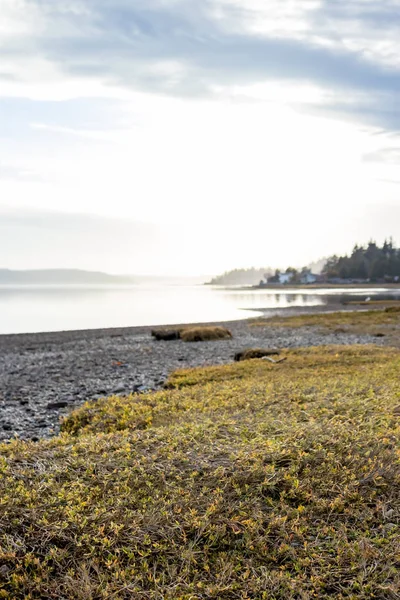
(372, 322)
(375, 303)
(247, 481)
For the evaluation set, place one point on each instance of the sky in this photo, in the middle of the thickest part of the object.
(177, 137)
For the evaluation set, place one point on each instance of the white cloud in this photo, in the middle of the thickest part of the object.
(232, 125)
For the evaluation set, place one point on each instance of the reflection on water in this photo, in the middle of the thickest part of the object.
(55, 308)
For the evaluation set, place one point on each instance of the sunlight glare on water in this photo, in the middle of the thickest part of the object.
(26, 309)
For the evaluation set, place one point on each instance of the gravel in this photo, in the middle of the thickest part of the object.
(44, 376)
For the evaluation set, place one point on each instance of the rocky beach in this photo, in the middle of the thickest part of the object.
(44, 376)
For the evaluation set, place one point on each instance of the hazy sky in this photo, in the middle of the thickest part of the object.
(194, 136)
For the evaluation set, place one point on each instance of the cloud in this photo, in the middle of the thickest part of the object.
(40, 238)
(387, 156)
(16, 173)
(383, 15)
(188, 48)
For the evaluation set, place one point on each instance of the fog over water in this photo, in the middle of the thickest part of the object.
(28, 309)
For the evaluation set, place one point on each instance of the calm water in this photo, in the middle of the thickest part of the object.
(26, 309)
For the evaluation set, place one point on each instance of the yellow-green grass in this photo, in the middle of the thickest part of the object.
(247, 481)
(373, 322)
(375, 303)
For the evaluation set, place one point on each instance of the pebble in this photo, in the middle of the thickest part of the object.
(119, 389)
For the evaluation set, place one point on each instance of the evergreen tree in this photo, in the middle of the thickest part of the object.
(369, 262)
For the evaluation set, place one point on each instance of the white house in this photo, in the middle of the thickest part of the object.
(285, 277)
(308, 278)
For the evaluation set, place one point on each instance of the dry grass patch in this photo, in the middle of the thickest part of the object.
(205, 334)
(249, 481)
(393, 309)
(375, 303)
(192, 334)
(372, 322)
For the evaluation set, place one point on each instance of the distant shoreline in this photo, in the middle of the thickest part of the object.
(314, 286)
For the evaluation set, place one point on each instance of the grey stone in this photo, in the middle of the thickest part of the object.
(57, 404)
(119, 389)
(4, 571)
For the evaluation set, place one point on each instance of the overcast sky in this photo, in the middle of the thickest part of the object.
(194, 136)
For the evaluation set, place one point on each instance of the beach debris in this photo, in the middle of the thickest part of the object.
(274, 361)
(57, 404)
(117, 363)
(251, 353)
(166, 334)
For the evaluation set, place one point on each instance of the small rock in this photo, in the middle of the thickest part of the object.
(57, 404)
(143, 388)
(119, 389)
(4, 571)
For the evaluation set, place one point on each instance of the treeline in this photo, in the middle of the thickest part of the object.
(369, 262)
(250, 276)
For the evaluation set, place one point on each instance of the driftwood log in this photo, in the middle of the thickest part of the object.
(166, 334)
(255, 353)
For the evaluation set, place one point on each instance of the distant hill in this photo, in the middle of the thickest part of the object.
(253, 276)
(61, 277)
(250, 276)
